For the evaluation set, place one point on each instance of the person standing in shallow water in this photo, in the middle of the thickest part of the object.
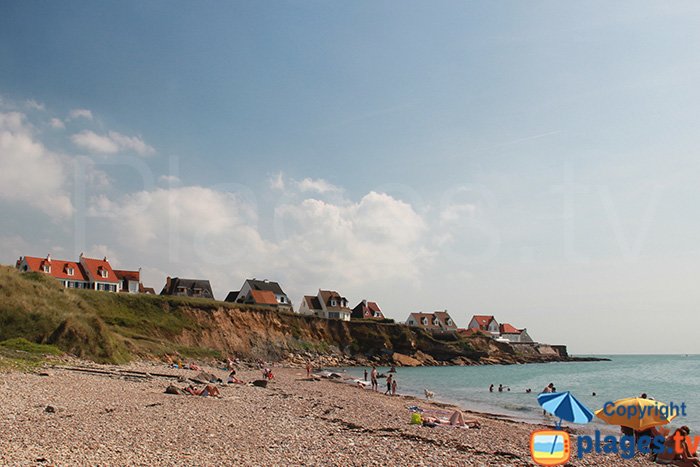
(389, 379)
(393, 386)
(365, 374)
(373, 376)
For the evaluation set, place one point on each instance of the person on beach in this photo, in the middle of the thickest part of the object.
(393, 387)
(683, 459)
(373, 376)
(500, 388)
(308, 369)
(389, 379)
(232, 379)
(491, 388)
(365, 374)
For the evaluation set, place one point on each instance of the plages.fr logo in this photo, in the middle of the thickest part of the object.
(642, 420)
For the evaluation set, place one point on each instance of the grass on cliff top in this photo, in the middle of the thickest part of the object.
(105, 327)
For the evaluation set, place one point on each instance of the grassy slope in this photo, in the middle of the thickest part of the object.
(100, 326)
(108, 327)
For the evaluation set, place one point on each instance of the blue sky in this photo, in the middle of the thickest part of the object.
(532, 160)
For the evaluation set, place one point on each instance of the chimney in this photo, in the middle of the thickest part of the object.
(167, 283)
(48, 257)
(81, 255)
(105, 259)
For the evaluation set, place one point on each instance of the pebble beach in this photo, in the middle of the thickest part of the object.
(60, 416)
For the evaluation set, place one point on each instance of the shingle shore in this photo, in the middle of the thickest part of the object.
(106, 420)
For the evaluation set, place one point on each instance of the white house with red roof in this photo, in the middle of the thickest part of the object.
(367, 310)
(327, 304)
(485, 323)
(513, 334)
(87, 273)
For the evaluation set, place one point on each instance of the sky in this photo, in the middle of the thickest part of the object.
(536, 161)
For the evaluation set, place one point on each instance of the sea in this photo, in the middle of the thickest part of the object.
(666, 378)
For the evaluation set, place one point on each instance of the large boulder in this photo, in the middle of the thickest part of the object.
(405, 360)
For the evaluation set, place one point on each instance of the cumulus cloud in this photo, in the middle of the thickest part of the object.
(34, 105)
(57, 123)
(276, 182)
(30, 173)
(111, 143)
(184, 231)
(317, 185)
(378, 237)
(80, 113)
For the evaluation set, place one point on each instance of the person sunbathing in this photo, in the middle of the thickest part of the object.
(685, 458)
(208, 390)
(456, 419)
(232, 379)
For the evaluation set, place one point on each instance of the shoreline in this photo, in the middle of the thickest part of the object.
(118, 416)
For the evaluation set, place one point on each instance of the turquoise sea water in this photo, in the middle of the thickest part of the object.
(667, 378)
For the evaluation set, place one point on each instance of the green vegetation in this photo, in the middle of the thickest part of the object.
(38, 316)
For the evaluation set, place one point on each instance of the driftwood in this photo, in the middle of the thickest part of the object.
(119, 373)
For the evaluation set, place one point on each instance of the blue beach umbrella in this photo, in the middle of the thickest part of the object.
(565, 406)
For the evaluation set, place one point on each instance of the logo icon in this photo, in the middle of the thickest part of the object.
(550, 447)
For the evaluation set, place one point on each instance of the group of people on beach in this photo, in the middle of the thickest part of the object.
(391, 383)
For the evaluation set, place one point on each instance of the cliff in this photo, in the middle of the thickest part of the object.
(117, 327)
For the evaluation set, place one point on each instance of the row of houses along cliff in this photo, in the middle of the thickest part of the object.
(97, 274)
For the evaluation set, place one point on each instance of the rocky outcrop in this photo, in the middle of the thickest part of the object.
(295, 339)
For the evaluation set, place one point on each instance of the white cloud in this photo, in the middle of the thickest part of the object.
(57, 123)
(276, 182)
(111, 143)
(34, 105)
(95, 143)
(378, 238)
(30, 173)
(133, 143)
(318, 185)
(80, 113)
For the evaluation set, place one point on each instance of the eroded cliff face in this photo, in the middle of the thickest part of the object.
(270, 335)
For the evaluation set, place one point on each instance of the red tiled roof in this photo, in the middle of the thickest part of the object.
(373, 307)
(263, 297)
(59, 268)
(483, 320)
(93, 266)
(506, 328)
(128, 275)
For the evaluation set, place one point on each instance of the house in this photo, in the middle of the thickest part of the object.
(187, 287)
(130, 281)
(258, 297)
(437, 321)
(327, 304)
(243, 296)
(367, 310)
(486, 323)
(87, 273)
(512, 334)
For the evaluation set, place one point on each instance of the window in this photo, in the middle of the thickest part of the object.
(436, 322)
(425, 321)
(333, 302)
(449, 321)
(46, 269)
(281, 299)
(334, 315)
(103, 273)
(70, 271)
